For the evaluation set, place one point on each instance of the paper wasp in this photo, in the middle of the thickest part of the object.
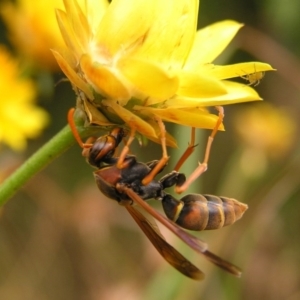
(193, 211)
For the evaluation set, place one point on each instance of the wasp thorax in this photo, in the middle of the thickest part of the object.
(203, 212)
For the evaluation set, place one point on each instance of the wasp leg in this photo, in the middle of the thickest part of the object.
(189, 150)
(171, 179)
(121, 161)
(151, 164)
(203, 166)
(164, 159)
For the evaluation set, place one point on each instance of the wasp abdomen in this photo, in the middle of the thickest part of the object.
(203, 212)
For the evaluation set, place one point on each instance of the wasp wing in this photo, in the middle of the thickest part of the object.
(189, 239)
(223, 264)
(170, 254)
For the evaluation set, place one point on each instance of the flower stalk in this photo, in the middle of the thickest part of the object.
(61, 142)
(39, 160)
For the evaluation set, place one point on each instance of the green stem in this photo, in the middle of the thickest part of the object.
(52, 149)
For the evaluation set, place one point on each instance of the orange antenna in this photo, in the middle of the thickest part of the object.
(75, 131)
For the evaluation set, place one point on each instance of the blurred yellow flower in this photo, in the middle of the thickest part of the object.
(33, 30)
(133, 60)
(272, 133)
(19, 117)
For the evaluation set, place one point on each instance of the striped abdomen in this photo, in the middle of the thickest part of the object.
(203, 212)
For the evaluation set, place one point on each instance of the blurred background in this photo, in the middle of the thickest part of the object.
(60, 238)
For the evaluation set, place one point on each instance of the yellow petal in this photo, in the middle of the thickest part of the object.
(158, 30)
(95, 9)
(148, 78)
(210, 42)
(104, 80)
(124, 24)
(78, 21)
(197, 85)
(238, 70)
(68, 34)
(172, 32)
(20, 118)
(72, 75)
(194, 118)
(236, 93)
(130, 119)
(95, 117)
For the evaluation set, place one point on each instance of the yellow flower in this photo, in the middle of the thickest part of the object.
(273, 134)
(33, 30)
(133, 60)
(19, 117)
(273, 130)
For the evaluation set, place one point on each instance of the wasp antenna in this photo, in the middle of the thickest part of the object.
(74, 129)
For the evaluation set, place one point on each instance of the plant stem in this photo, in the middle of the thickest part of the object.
(40, 159)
